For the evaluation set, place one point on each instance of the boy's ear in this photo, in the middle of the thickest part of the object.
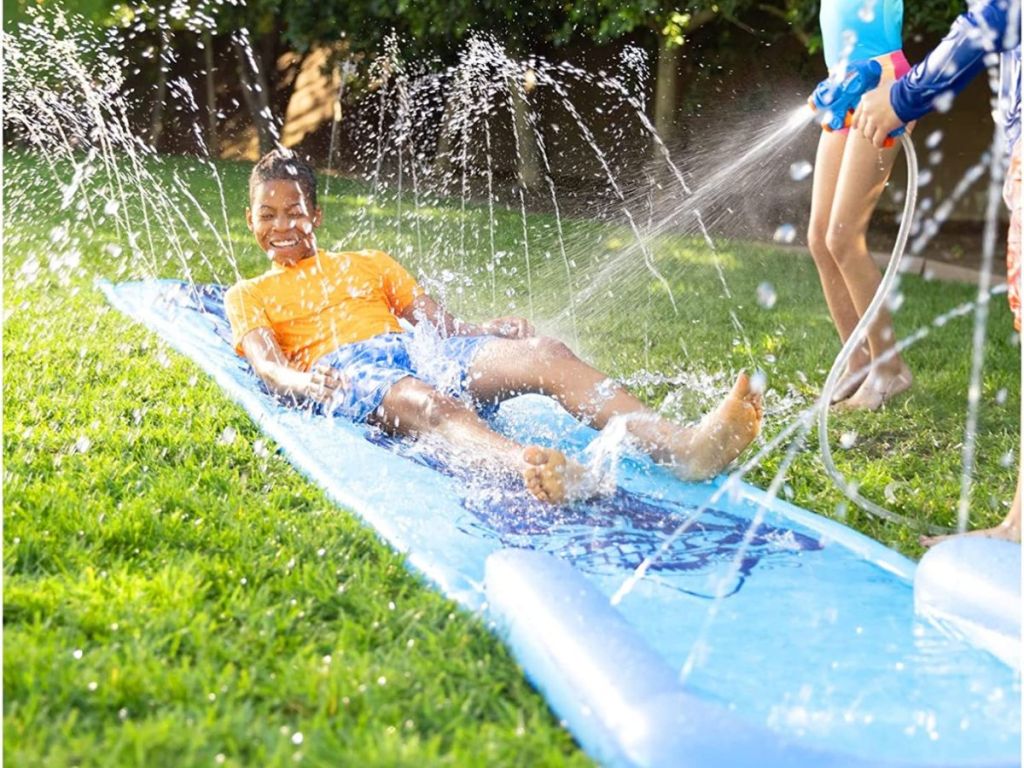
(318, 217)
(248, 217)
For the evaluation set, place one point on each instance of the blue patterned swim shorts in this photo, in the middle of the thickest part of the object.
(374, 365)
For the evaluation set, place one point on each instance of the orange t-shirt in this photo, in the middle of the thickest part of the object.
(322, 303)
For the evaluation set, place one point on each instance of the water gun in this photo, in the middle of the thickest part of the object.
(834, 100)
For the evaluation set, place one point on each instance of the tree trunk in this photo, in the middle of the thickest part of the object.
(526, 139)
(257, 97)
(156, 118)
(212, 143)
(671, 40)
(666, 87)
(442, 166)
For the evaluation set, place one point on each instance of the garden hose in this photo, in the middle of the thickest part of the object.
(858, 334)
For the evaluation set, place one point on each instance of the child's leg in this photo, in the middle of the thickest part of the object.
(508, 367)
(862, 178)
(1008, 529)
(827, 162)
(414, 408)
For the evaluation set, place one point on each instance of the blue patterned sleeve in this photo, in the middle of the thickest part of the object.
(989, 26)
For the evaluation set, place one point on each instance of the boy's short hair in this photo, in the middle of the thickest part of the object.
(284, 165)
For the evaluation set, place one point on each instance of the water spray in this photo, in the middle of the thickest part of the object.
(834, 102)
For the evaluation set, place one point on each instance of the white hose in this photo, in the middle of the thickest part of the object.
(881, 296)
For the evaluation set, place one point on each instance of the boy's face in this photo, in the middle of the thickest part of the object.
(281, 219)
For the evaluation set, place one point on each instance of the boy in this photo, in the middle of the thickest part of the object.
(324, 327)
(989, 27)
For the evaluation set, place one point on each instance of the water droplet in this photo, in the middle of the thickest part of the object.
(30, 269)
(220, 758)
(890, 493)
(800, 170)
(297, 738)
(111, 207)
(59, 234)
(867, 11)
(382, 680)
(93, 685)
(227, 437)
(1001, 396)
(944, 101)
(848, 439)
(77, 653)
(924, 177)
(933, 140)
(766, 296)
(786, 233)
(758, 382)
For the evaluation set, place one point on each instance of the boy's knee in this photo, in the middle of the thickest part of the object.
(552, 349)
(415, 406)
(434, 408)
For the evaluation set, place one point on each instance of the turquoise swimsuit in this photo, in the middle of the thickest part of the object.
(853, 30)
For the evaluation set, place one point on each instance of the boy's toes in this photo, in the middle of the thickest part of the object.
(741, 388)
(544, 473)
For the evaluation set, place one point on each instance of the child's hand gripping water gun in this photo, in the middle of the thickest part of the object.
(835, 100)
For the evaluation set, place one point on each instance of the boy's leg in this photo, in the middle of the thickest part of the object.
(508, 367)
(827, 162)
(862, 178)
(411, 407)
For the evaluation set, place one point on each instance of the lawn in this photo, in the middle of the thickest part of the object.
(176, 593)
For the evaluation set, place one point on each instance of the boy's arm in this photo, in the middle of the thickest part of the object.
(426, 308)
(989, 26)
(321, 384)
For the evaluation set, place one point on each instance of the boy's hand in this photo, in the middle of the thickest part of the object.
(508, 327)
(875, 117)
(326, 385)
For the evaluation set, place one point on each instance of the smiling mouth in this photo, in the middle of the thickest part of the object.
(284, 243)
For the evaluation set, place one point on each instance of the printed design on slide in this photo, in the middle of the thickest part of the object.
(613, 535)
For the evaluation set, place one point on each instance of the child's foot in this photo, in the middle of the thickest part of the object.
(880, 386)
(848, 383)
(723, 434)
(1005, 531)
(551, 477)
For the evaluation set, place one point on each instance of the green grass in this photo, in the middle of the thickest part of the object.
(173, 588)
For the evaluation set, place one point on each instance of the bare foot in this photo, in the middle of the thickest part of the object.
(551, 477)
(848, 383)
(878, 388)
(722, 435)
(1006, 531)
